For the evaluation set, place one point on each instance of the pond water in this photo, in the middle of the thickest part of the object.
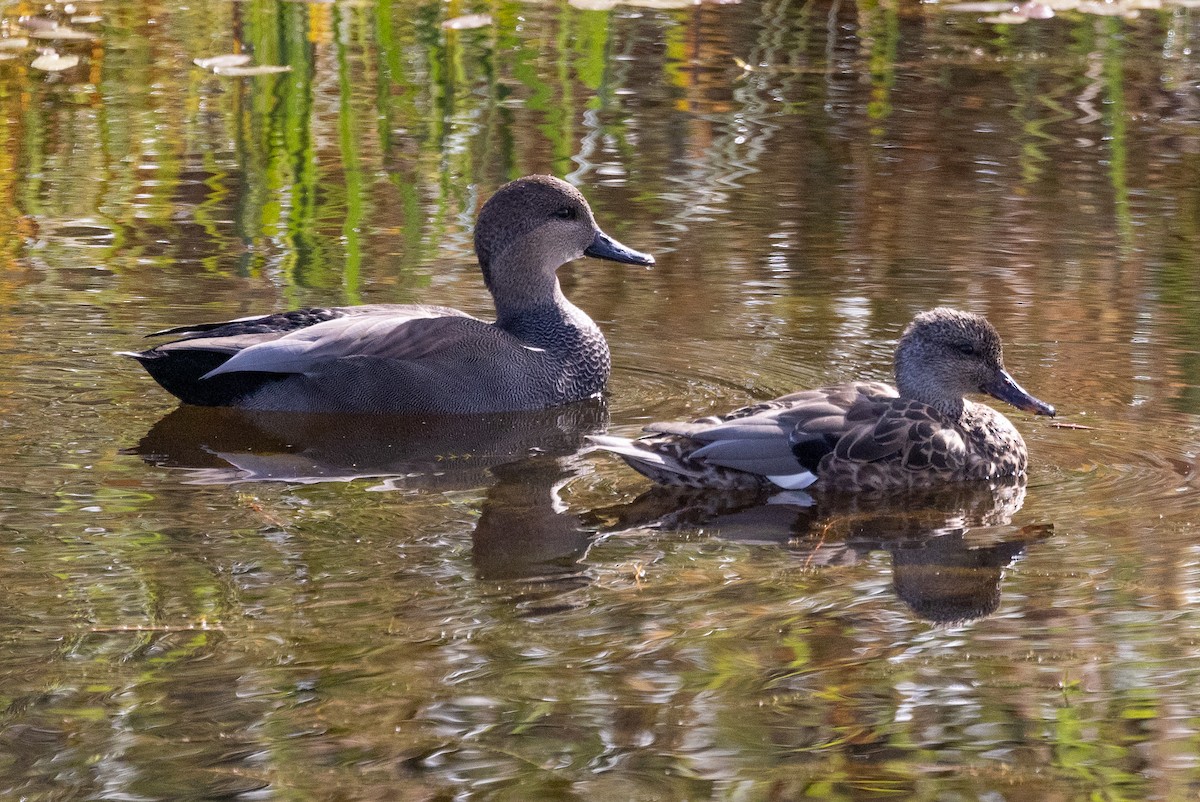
(201, 604)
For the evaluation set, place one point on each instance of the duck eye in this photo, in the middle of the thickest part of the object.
(966, 349)
(565, 213)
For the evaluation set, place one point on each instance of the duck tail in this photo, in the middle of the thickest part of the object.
(626, 447)
(658, 464)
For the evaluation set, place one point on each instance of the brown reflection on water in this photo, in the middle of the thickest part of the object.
(432, 452)
(189, 613)
(944, 573)
(522, 459)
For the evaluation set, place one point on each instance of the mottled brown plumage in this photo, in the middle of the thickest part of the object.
(861, 435)
(541, 351)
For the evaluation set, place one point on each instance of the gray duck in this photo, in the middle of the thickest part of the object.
(859, 435)
(541, 351)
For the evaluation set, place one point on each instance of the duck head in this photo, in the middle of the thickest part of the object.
(532, 226)
(945, 354)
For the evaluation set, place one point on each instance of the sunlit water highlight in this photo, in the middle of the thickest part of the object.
(202, 604)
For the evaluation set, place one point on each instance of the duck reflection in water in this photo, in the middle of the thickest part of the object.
(522, 459)
(949, 545)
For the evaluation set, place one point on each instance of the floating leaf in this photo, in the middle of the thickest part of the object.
(37, 23)
(62, 33)
(53, 62)
(987, 7)
(229, 60)
(1107, 9)
(261, 69)
(660, 5)
(467, 21)
(46, 28)
(236, 65)
(14, 43)
(1036, 10)
(1013, 13)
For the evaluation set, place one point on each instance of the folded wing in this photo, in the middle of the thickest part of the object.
(412, 336)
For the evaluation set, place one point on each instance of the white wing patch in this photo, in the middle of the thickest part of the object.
(794, 481)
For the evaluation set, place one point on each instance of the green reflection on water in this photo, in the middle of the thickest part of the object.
(1114, 79)
(881, 30)
(348, 125)
(873, 159)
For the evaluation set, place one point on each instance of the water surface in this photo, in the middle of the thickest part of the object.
(202, 604)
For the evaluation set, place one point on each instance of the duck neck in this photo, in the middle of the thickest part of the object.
(923, 387)
(545, 319)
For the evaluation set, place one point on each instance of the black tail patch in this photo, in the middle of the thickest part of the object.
(179, 372)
